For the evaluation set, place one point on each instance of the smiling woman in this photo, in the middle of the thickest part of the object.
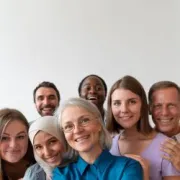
(128, 116)
(49, 146)
(94, 89)
(85, 132)
(15, 150)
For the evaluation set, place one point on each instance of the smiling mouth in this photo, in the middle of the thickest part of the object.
(165, 121)
(51, 159)
(80, 139)
(92, 98)
(125, 117)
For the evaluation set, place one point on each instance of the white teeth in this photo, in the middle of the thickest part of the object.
(92, 98)
(81, 138)
(125, 117)
(51, 159)
(165, 120)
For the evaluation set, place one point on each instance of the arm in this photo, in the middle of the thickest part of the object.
(144, 163)
(172, 148)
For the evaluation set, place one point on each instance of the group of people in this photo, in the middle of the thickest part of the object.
(84, 140)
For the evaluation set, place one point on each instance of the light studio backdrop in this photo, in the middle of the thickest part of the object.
(62, 41)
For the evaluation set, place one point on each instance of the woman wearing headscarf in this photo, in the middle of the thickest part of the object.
(49, 147)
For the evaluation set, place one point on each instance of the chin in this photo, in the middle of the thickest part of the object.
(55, 164)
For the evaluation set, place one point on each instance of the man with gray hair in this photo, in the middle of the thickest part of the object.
(164, 105)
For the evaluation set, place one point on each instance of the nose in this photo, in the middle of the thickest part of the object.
(46, 151)
(93, 89)
(124, 107)
(164, 111)
(77, 129)
(46, 101)
(12, 143)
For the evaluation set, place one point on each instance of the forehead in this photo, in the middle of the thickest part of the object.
(42, 137)
(123, 94)
(72, 113)
(14, 127)
(165, 95)
(92, 80)
(45, 91)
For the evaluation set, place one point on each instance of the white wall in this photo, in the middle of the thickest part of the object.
(62, 41)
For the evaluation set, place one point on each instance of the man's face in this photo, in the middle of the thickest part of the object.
(46, 101)
(165, 109)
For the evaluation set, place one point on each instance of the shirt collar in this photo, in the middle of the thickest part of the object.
(101, 162)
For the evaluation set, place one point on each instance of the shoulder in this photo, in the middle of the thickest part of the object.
(160, 138)
(122, 160)
(33, 172)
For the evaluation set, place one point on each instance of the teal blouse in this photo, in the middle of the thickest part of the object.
(105, 167)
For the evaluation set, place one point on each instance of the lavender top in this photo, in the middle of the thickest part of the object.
(159, 167)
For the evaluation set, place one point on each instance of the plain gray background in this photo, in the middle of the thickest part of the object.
(62, 41)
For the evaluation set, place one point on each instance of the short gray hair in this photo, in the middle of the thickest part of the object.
(105, 138)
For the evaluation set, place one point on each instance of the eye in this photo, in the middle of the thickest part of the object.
(40, 98)
(99, 88)
(52, 97)
(116, 103)
(53, 141)
(21, 137)
(38, 147)
(68, 127)
(157, 106)
(132, 101)
(84, 120)
(171, 105)
(5, 138)
(86, 87)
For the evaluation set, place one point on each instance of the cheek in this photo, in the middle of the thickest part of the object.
(24, 145)
(3, 147)
(59, 147)
(38, 152)
(115, 111)
(68, 137)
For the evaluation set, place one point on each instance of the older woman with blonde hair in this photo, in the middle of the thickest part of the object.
(85, 132)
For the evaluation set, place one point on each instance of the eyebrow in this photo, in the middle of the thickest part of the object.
(78, 118)
(22, 132)
(47, 140)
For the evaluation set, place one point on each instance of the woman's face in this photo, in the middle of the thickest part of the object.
(126, 107)
(93, 90)
(81, 129)
(48, 148)
(14, 142)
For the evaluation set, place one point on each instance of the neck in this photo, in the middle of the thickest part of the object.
(92, 155)
(101, 110)
(174, 132)
(131, 134)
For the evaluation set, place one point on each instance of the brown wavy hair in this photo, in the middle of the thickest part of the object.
(132, 84)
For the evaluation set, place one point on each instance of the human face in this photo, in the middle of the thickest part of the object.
(93, 90)
(48, 148)
(126, 108)
(165, 109)
(84, 139)
(46, 101)
(14, 142)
